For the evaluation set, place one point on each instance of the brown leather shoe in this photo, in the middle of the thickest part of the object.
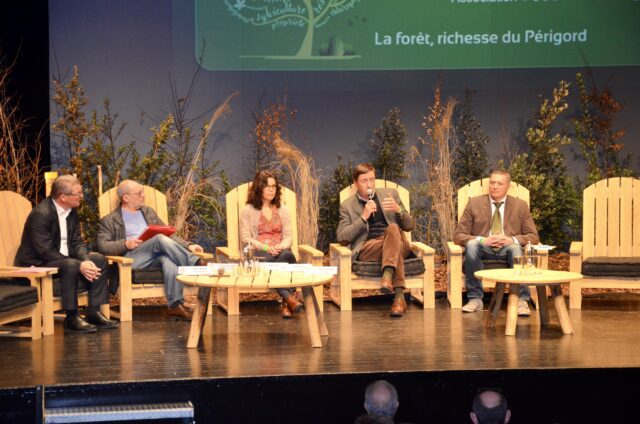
(189, 306)
(294, 305)
(386, 286)
(398, 307)
(286, 312)
(180, 312)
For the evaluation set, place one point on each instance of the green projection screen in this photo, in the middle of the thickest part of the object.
(415, 34)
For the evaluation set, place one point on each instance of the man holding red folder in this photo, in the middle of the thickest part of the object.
(119, 235)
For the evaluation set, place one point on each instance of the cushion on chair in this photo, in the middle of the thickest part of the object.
(491, 264)
(412, 266)
(605, 266)
(12, 296)
(147, 276)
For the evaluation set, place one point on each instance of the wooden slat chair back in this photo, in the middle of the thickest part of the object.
(235, 201)
(422, 287)
(127, 290)
(455, 253)
(610, 229)
(13, 215)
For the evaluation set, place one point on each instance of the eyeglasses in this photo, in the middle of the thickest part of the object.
(137, 193)
(271, 186)
(74, 194)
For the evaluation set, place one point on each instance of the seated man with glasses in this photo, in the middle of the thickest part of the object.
(51, 238)
(118, 236)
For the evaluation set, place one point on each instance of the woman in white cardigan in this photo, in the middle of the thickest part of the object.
(267, 226)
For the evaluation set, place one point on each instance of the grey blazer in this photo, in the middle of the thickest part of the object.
(111, 231)
(353, 231)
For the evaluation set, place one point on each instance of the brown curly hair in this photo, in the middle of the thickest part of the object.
(260, 181)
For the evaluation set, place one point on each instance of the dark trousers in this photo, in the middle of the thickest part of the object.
(71, 280)
(391, 248)
(284, 256)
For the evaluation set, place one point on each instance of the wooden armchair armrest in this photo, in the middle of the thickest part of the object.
(575, 256)
(120, 260)
(340, 250)
(205, 256)
(453, 249)
(575, 248)
(421, 249)
(17, 272)
(310, 254)
(225, 254)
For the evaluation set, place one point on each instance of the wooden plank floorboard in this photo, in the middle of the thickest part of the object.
(365, 340)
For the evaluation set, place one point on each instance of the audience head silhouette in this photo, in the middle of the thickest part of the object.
(381, 399)
(490, 407)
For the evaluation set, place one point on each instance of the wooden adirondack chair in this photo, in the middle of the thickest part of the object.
(422, 287)
(14, 212)
(609, 254)
(455, 253)
(142, 283)
(236, 199)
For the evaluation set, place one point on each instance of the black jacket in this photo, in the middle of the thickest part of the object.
(40, 242)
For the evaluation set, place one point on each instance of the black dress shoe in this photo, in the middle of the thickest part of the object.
(101, 321)
(79, 325)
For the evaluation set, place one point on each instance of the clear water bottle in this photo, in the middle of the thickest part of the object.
(247, 260)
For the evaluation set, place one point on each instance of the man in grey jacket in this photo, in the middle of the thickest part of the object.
(372, 222)
(118, 235)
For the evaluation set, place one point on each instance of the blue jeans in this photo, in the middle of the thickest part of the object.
(161, 251)
(474, 253)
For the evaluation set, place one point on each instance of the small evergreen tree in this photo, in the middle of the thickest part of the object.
(470, 159)
(329, 214)
(388, 147)
(554, 202)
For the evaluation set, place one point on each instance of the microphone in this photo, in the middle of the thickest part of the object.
(371, 193)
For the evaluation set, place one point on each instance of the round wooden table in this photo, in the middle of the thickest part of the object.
(264, 280)
(543, 278)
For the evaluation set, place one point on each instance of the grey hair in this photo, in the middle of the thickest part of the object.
(381, 399)
(62, 185)
(124, 187)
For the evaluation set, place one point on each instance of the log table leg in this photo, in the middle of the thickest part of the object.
(319, 314)
(561, 310)
(310, 302)
(494, 305)
(199, 316)
(543, 305)
(512, 309)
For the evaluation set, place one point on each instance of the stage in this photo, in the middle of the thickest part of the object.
(259, 365)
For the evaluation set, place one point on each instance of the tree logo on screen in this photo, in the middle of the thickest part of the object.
(304, 14)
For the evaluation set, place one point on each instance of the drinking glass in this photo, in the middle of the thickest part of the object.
(538, 263)
(518, 264)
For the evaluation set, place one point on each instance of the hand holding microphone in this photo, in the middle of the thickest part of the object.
(370, 207)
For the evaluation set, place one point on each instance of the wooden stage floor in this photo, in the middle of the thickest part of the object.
(258, 365)
(366, 340)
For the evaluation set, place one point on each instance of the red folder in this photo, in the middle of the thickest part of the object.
(152, 230)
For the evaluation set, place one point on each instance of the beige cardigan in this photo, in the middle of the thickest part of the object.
(249, 220)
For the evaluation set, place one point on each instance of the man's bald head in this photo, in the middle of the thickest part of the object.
(131, 194)
(490, 407)
(381, 399)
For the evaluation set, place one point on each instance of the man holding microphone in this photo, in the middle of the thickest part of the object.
(372, 222)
